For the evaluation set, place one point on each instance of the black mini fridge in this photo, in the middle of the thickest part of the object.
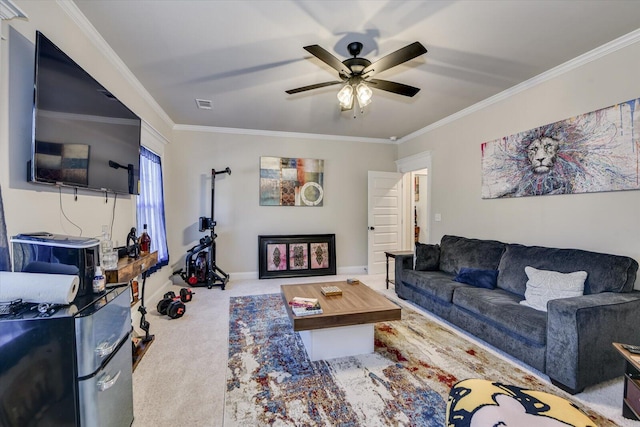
(68, 366)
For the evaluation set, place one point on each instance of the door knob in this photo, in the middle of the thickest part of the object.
(372, 228)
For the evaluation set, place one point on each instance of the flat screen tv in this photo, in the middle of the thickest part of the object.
(83, 136)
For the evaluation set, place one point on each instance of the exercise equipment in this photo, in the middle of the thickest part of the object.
(171, 305)
(200, 262)
(186, 294)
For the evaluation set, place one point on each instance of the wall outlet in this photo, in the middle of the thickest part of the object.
(438, 217)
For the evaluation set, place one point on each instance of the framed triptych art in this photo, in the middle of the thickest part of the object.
(297, 255)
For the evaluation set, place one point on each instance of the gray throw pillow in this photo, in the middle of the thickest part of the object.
(427, 257)
(544, 286)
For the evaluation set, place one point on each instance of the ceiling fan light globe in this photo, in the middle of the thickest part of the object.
(348, 105)
(345, 96)
(364, 95)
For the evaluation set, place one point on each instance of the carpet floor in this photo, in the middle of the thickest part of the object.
(406, 381)
(182, 379)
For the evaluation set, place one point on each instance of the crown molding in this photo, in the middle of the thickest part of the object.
(70, 8)
(154, 133)
(597, 53)
(8, 10)
(152, 139)
(414, 162)
(280, 134)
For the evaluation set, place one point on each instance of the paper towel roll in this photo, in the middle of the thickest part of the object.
(38, 287)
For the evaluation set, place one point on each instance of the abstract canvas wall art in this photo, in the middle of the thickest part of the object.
(288, 181)
(594, 152)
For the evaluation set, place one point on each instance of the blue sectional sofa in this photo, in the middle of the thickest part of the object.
(571, 342)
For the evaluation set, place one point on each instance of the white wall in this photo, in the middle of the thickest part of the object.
(30, 207)
(240, 218)
(605, 222)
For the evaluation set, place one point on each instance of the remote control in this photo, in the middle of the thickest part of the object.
(635, 349)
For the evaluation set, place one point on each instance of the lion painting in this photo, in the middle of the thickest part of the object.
(593, 152)
(542, 154)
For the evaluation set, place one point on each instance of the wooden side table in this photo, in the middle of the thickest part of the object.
(393, 254)
(631, 396)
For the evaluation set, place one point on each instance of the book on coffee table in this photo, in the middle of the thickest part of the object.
(303, 301)
(304, 311)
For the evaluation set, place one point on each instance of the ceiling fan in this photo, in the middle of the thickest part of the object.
(356, 73)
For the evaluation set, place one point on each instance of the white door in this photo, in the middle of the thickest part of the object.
(384, 217)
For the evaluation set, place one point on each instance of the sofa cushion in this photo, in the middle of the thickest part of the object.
(502, 310)
(436, 284)
(427, 257)
(477, 277)
(458, 252)
(605, 273)
(544, 286)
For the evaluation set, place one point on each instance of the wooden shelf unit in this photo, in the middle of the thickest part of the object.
(128, 269)
(631, 397)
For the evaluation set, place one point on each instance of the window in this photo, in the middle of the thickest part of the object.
(150, 205)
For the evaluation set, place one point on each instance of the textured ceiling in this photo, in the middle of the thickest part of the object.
(243, 55)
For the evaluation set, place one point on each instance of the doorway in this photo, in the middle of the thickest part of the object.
(416, 199)
(419, 205)
(397, 208)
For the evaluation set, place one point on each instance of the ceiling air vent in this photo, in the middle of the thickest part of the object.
(204, 104)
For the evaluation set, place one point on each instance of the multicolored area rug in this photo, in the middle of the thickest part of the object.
(270, 380)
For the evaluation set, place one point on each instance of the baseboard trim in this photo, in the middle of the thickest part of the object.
(354, 269)
(253, 275)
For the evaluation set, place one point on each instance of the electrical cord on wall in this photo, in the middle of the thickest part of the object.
(113, 214)
(65, 215)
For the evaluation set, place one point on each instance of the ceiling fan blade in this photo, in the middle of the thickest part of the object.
(395, 58)
(399, 88)
(315, 86)
(328, 58)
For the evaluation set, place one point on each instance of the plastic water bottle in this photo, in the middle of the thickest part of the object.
(99, 282)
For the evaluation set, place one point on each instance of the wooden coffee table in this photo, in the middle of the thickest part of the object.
(345, 328)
